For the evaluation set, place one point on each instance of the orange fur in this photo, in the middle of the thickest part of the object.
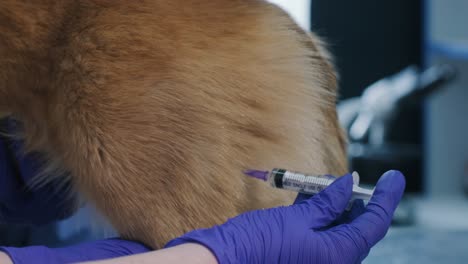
(156, 107)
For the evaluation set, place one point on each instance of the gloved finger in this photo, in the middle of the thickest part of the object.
(370, 227)
(357, 209)
(301, 197)
(322, 209)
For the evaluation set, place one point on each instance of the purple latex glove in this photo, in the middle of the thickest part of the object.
(96, 250)
(305, 232)
(20, 204)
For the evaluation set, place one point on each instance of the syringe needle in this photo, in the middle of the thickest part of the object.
(262, 175)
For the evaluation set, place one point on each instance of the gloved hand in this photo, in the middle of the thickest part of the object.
(305, 232)
(312, 231)
(20, 204)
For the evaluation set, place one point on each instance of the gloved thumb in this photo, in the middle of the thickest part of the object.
(370, 227)
(325, 207)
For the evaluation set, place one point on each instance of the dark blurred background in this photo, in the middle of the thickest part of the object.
(371, 40)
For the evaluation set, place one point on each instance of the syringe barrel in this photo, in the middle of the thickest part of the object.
(310, 184)
(295, 181)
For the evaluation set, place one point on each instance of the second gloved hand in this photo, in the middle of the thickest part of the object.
(305, 232)
(20, 203)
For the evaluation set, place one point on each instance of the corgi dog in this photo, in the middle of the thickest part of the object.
(152, 109)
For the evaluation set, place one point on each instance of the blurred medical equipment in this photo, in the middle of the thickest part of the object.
(372, 120)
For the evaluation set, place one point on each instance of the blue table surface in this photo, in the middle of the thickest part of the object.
(421, 245)
(439, 234)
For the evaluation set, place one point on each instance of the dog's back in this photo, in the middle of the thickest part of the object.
(156, 107)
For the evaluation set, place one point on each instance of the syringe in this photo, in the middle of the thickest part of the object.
(307, 184)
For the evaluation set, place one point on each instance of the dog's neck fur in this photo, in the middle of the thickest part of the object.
(29, 31)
